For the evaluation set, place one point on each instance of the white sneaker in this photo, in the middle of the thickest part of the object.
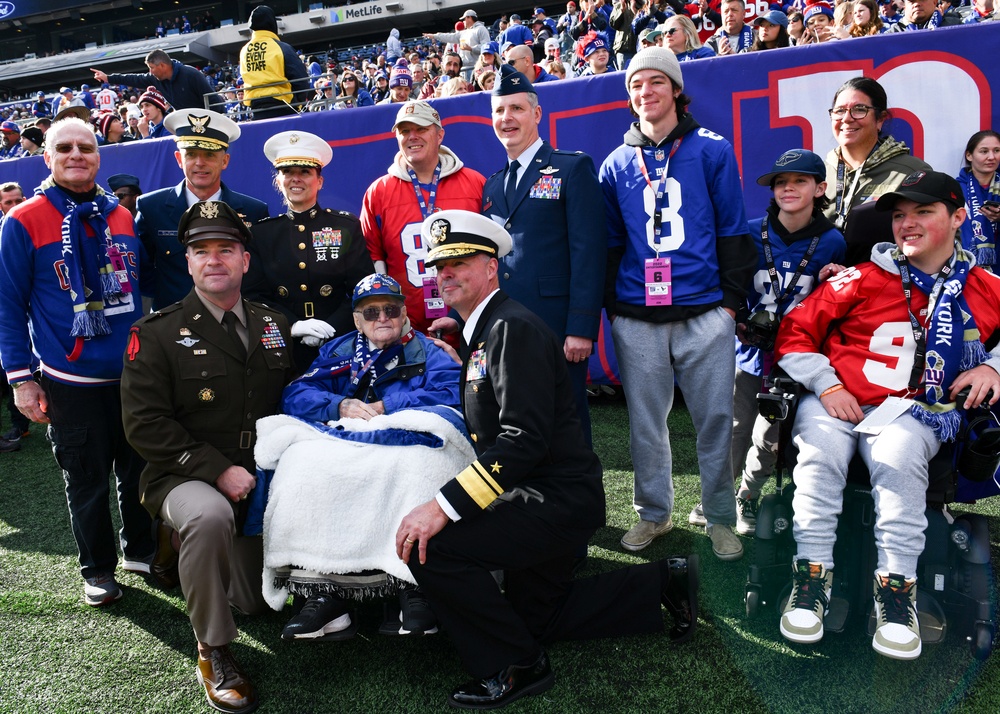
(898, 633)
(697, 516)
(802, 619)
(644, 532)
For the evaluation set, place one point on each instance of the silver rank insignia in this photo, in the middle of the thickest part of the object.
(188, 342)
(548, 171)
(439, 231)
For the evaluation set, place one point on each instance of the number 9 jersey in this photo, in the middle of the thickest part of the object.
(854, 329)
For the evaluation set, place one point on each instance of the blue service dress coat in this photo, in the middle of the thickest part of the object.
(158, 214)
(556, 265)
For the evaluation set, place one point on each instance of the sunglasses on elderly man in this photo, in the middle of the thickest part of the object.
(371, 313)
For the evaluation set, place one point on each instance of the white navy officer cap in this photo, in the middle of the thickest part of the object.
(201, 129)
(297, 148)
(455, 233)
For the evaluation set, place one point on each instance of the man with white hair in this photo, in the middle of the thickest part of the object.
(70, 263)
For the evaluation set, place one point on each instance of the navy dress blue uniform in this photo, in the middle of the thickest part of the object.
(157, 216)
(158, 213)
(556, 266)
(533, 496)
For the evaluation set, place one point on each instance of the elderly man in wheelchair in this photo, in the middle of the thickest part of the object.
(881, 351)
(369, 431)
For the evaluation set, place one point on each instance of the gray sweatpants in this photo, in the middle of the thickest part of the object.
(699, 353)
(755, 439)
(897, 460)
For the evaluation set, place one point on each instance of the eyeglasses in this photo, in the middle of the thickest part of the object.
(68, 148)
(371, 313)
(125, 194)
(350, 79)
(858, 111)
(670, 32)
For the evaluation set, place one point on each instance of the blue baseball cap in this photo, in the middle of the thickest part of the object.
(374, 285)
(510, 81)
(795, 161)
(491, 48)
(775, 17)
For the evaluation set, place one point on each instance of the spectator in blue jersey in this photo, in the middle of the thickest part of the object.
(735, 36)
(71, 267)
(353, 93)
(516, 33)
(40, 107)
(795, 241)
(682, 39)
(771, 31)
(923, 15)
(675, 277)
(10, 148)
(86, 97)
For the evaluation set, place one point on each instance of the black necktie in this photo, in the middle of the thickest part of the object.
(229, 322)
(511, 183)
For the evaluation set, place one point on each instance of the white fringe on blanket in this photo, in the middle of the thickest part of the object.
(334, 505)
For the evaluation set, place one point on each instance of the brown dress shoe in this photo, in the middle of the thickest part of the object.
(163, 569)
(228, 689)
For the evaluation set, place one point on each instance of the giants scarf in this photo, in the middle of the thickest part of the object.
(92, 278)
(947, 356)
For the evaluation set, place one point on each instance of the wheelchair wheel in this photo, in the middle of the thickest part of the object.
(982, 641)
(752, 601)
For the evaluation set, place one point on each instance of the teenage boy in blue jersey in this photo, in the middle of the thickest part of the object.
(676, 276)
(794, 242)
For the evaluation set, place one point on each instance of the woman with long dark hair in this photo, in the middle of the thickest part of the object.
(980, 181)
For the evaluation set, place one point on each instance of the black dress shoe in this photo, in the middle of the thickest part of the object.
(506, 686)
(227, 687)
(680, 594)
(163, 569)
(324, 617)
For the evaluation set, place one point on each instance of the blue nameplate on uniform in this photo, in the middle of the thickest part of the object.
(272, 337)
(547, 187)
(476, 368)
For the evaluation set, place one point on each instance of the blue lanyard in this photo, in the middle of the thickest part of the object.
(426, 208)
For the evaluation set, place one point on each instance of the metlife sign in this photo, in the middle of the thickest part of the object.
(358, 13)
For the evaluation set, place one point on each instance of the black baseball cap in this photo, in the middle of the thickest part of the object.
(924, 187)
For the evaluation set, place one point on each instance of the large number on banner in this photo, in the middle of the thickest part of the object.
(894, 341)
(415, 251)
(954, 104)
(671, 224)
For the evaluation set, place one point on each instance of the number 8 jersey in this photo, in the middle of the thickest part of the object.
(680, 200)
(854, 329)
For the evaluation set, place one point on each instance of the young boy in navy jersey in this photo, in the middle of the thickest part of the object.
(794, 241)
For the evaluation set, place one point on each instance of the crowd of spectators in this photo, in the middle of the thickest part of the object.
(591, 37)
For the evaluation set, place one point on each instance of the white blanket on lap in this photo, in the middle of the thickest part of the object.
(334, 505)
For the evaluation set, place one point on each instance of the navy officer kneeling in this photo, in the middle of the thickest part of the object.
(530, 500)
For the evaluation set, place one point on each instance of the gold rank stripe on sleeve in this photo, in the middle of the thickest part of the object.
(479, 484)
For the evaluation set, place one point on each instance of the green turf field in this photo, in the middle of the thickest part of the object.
(58, 655)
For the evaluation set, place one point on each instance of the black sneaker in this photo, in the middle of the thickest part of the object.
(6, 446)
(746, 514)
(415, 614)
(323, 617)
(15, 434)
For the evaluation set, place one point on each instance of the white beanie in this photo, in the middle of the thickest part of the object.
(659, 58)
